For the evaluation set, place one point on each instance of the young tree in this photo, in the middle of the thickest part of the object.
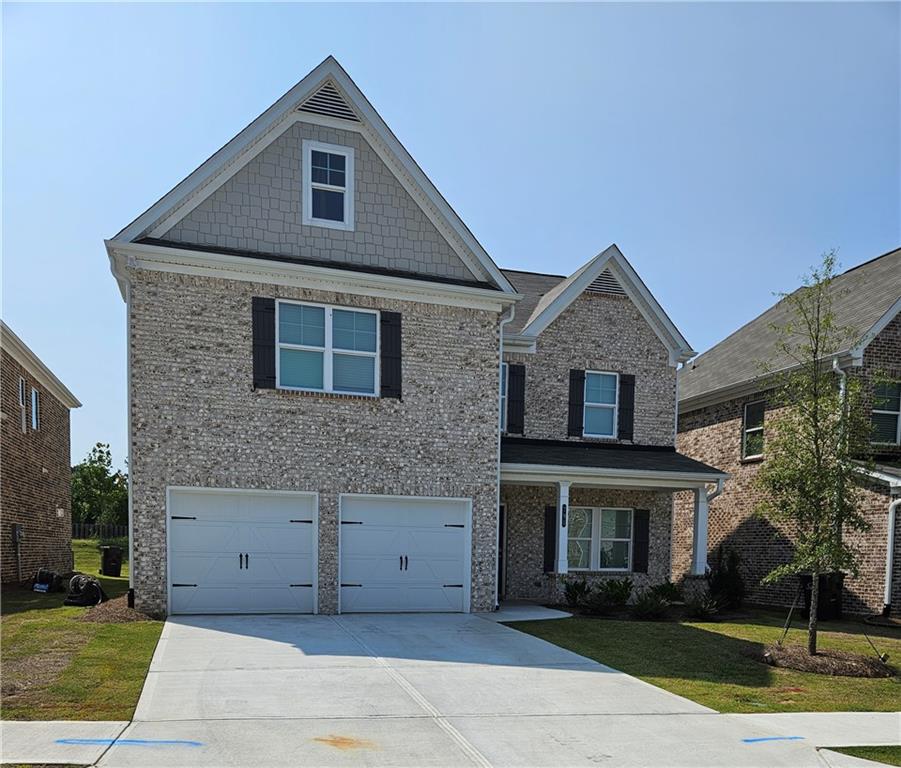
(99, 494)
(816, 441)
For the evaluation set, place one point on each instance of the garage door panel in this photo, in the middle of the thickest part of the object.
(436, 541)
(260, 599)
(444, 571)
(203, 536)
(280, 538)
(434, 598)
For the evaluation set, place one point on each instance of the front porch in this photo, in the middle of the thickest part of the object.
(597, 510)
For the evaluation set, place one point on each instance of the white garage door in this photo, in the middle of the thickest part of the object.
(404, 554)
(242, 551)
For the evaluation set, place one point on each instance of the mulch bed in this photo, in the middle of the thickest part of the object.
(115, 611)
(837, 663)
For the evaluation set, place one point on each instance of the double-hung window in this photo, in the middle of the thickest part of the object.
(887, 413)
(600, 404)
(23, 405)
(599, 539)
(327, 349)
(328, 185)
(504, 379)
(35, 409)
(752, 431)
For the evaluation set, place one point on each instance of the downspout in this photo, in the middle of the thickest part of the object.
(497, 503)
(889, 557)
(131, 535)
(719, 489)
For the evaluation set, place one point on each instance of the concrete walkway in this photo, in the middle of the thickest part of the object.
(57, 741)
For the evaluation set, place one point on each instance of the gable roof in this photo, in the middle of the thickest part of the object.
(864, 299)
(329, 93)
(547, 296)
(20, 351)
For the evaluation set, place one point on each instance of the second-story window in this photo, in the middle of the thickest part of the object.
(326, 349)
(752, 431)
(887, 413)
(35, 409)
(23, 405)
(328, 179)
(504, 378)
(600, 404)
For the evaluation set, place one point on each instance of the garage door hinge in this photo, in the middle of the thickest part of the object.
(351, 522)
(300, 585)
(454, 525)
(300, 521)
(351, 585)
(184, 585)
(182, 517)
(458, 586)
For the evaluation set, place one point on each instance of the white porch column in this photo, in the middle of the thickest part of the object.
(562, 564)
(699, 539)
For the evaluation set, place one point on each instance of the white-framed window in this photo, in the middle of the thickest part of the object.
(328, 185)
(35, 409)
(505, 377)
(886, 415)
(326, 349)
(752, 430)
(601, 394)
(23, 404)
(600, 539)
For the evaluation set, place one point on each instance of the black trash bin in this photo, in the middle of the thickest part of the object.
(111, 561)
(829, 605)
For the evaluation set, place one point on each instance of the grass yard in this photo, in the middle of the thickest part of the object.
(58, 668)
(706, 661)
(887, 755)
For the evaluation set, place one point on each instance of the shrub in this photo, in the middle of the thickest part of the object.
(618, 591)
(598, 603)
(649, 605)
(702, 606)
(575, 592)
(725, 580)
(668, 591)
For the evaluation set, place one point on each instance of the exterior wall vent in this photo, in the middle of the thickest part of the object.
(606, 283)
(328, 101)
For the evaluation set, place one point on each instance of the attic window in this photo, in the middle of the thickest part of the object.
(328, 185)
(606, 283)
(329, 102)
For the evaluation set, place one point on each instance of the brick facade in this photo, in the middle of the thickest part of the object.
(35, 478)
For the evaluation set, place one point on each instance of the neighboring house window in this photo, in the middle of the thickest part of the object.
(328, 185)
(504, 378)
(599, 539)
(35, 409)
(887, 413)
(752, 431)
(23, 405)
(600, 404)
(326, 349)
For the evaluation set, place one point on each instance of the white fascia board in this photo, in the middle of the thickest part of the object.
(857, 351)
(544, 473)
(21, 352)
(124, 256)
(518, 343)
(893, 482)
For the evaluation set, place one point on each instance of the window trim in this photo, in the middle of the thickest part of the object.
(308, 146)
(586, 405)
(35, 409)
(504, 394)
(745, 430)
(594, 564)
(896, 414)
(328, 350)
(23, 404)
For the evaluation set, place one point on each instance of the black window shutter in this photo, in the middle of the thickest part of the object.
(390, 330)
(263, 311)
(516, 399)
(641, 536)
(576, 402)
(550, 538)
(626, 422)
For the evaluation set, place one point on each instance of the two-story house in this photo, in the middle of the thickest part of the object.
(724, 406)
(338, 402)
(35, 476)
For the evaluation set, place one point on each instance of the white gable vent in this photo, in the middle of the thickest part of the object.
(606, 283)
(327, 101)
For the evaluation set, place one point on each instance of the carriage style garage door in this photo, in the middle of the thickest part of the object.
(404, 554)
(242, 551)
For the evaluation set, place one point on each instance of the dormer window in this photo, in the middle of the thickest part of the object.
(328, 181)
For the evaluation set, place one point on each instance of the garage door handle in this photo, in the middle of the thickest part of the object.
(240, 561)
(406, 563)
(246, 562)
(401, 562)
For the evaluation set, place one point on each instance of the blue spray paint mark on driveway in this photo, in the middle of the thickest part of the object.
(132, 742)
(773, 738)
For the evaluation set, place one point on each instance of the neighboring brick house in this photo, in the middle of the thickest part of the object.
(724, 406)
(35, 476)
(315, 392)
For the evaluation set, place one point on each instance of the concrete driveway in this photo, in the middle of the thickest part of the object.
(415, 690)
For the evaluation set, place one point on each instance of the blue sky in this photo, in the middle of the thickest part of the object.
(722, 146)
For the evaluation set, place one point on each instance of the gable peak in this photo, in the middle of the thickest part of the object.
(327, 100)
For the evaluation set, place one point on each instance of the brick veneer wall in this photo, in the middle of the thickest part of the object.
(599, 332)
(196, 420)
(713, 435)
(35, 479)
(259, 209)
(524, 554)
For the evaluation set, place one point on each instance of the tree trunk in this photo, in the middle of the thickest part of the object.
(814, 606)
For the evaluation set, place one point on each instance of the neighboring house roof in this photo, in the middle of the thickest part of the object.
(19, 350)
(864, 300)
(328, 92)
(547, 296)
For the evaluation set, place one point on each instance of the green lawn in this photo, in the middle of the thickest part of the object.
(706, 662)
(58, 668)
(887, 755)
